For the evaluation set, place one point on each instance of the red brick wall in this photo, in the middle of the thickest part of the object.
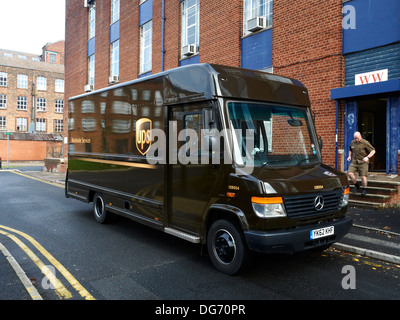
(307, 45)
(29, 150)
(55, 47)
(12, 92)
(128, 43)
(398, 162)
(172, 33)
(220, 31)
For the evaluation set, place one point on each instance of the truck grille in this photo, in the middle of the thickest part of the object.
(312, 204)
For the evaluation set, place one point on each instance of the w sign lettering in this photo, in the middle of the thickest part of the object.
(371, 77)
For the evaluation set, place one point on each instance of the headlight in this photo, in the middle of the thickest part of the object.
(345, 200)
(268, 207)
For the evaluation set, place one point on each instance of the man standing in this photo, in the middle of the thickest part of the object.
(359, 154)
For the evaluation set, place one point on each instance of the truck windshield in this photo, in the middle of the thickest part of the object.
(269, 135)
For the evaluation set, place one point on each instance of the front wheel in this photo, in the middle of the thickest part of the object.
(227, 248)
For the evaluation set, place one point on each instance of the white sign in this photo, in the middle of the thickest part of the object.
(371, 77)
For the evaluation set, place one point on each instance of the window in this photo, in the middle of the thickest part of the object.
(59, 85)
(59, 106)
(41, 125)
(41, 83)
(114, 59)
(92, 22)
(3, 121)
(114, 11)
(8, 55)
(41, 104)
(21, 57)
(22, 124)
(3, 79)
(89, 124)
(22, 103)
(190, 23)
(22, 82)
(3, 101)
(146, 47)
(91, 70)
(52, 57)
(257, 8)
(263, 131)
(58, 125)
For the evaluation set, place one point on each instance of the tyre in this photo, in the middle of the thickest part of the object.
(99, 209)
(227, 248)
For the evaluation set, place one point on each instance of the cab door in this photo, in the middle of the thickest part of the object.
(192, 182)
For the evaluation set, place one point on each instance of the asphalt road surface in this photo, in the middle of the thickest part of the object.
(128, 261)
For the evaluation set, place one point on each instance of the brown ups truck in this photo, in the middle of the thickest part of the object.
(225, 157)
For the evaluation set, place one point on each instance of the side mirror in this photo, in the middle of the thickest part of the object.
(209, 118)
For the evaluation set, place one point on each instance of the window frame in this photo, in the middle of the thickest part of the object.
(3, 79)
(22, 81)
(59, 85)
(41, 104)
(22, 103)
(146, 46)
(41, 83)
(184, 22)
(91, 69)
(59, 106)
(23, 125)
(115, 11)
(3, 123)
(91, 22)
(39, 123)
(58, 125)
(251, 10)
(114, 58)
(3, 101)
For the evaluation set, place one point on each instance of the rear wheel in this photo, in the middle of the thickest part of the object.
(99, 209)
(227, 248)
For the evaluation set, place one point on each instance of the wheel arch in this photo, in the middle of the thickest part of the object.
(222, 211)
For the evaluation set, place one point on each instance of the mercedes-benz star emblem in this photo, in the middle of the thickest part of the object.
(318, 203)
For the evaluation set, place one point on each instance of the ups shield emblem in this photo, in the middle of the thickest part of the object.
(143, 135)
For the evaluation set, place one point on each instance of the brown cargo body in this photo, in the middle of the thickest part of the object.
(145, 150)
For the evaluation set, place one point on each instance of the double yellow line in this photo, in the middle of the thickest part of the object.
(59, 288)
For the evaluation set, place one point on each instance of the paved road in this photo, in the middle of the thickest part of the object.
(126, 260)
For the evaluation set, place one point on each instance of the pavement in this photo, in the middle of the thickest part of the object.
(375, 232)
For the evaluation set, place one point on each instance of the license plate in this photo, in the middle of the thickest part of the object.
(323, 232)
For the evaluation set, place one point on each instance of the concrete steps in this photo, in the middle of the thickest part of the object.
(380, 194)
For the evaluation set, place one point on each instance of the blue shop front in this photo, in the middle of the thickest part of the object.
(371, 92)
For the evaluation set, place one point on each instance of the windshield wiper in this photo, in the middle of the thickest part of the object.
(264, 164)
(304, 159)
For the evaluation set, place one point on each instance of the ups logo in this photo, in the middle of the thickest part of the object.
(143, 135)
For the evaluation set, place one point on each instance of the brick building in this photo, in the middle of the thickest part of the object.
(324, 44)
(31, 101)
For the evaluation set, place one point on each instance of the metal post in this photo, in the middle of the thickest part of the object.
(8, 148)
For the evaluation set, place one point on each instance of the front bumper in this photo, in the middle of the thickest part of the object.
(294, 240)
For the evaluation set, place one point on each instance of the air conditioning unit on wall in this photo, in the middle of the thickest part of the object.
(113, 79)
(189, 50)
(88, 3)
(256, 24)
(88, 87)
